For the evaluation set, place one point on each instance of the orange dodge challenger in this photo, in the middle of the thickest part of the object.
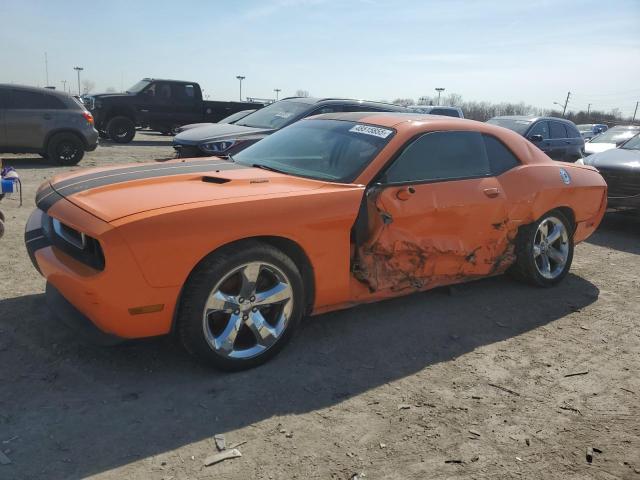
(332, 211)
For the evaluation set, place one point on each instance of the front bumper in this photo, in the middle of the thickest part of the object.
(105, 297)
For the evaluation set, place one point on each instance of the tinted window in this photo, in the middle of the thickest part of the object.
(163, 90)
(448, 112)
(360, 108)
(276, 115)
(500, 157)
(572, 131)
(183, 93)
(24, 99)
(439, 156)
(324, 149)
(558, 130)
(540, 128)
(518, 125)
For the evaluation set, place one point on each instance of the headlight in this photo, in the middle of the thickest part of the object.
(217, 147)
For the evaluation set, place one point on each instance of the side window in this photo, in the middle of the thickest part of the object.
(558, 130)
(183, 93)
(447, 112)
(540, 128)
(26, 100)
(441, 156)
(500, 157)
(572, 131)
(359, 108)
(163, 91)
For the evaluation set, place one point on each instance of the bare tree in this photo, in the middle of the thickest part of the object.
(110, 90)
(88, 86)
(302, 93)
(404, 101)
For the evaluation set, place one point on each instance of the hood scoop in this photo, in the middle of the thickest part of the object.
(208, 179)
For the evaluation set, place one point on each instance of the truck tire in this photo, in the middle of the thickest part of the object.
(65, 149)
(121, 129)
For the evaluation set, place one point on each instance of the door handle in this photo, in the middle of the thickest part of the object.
(491, 192)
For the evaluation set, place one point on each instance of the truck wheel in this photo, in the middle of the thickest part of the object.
(65, 149)
(121, 129)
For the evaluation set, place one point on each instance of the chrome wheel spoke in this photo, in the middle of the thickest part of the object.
(265, 334)
(221, 302)
(249, 275)
(556, 255)
(227, 339)
(279, 293)
(546, 265)
(555, 233)
(536, 251)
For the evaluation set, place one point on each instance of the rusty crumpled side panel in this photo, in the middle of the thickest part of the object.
(435, 239)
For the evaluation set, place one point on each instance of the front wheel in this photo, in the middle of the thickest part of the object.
(121, 129)
(240, 306)
(544, 250)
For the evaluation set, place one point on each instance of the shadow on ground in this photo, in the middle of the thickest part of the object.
(79, 410)
(620, 231)
(28, 162)
(166, 141)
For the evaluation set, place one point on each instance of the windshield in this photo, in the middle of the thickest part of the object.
(632, 144)
(234, 117)
(615, 135)
(276, 115)
(138, 87)
(331, 150)
(517, 125)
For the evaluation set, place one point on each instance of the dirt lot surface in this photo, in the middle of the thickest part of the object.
(492, 380)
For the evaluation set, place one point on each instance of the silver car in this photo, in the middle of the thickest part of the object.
(52, 124)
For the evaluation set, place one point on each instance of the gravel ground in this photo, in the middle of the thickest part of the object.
(492, 379)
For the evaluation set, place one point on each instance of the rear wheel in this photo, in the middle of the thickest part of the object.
(241, 306)
(65, 149)
(544, 250)
(121, 129)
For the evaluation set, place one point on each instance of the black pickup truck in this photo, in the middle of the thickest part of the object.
(161, 105)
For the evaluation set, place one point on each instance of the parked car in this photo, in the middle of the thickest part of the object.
(234, 117)
(557, 137)
(219, 139)
(590, 130)
(161, 105)
(329, 212)
(620, 167)
(437, 110)
(612, 138)
(47, 122)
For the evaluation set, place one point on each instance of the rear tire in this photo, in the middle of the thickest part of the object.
(65, 149)
(240, 306)
(121, 129)
(544, 250)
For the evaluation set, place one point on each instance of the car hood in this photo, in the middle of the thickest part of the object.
(114, 193)
(216, 131)
(103, 96)
(591, 147)
(617, 158)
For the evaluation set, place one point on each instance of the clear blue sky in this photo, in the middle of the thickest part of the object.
(531, 51)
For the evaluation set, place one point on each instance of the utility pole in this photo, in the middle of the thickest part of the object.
(78, 69)
(277, 90)
(240, 77)
(439, 90)
(566, 102)
(634, 113)
(46, 67)
(588, 109)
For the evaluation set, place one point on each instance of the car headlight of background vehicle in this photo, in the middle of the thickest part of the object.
(217, 146)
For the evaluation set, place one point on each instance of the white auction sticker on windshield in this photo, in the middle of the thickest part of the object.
(369, 130)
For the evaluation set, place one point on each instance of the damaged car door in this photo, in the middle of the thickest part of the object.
(436, 214)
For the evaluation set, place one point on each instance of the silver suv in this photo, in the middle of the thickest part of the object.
(52, 124)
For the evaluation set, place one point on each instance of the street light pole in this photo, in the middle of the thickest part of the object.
(78, 69)
(240, 77)
(634, 112)
(277, 90)
(588, 110)
(439, 90)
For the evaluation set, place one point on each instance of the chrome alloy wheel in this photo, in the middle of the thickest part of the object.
(248, 310)
(551, 247)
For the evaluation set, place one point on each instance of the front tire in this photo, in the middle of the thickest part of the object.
(544, 250)
(240, 306)
(121, 129)
(65, 149)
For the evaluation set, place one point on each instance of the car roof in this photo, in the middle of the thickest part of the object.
(28, 88)
(337, 100)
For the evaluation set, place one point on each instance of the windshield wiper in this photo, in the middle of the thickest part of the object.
(265, 167)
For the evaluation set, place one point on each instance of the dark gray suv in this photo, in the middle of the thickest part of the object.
(52, 124)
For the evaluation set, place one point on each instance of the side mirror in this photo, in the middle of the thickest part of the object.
(536, 138)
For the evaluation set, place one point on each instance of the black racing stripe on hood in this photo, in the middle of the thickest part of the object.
(111, 177)
(137, 168)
